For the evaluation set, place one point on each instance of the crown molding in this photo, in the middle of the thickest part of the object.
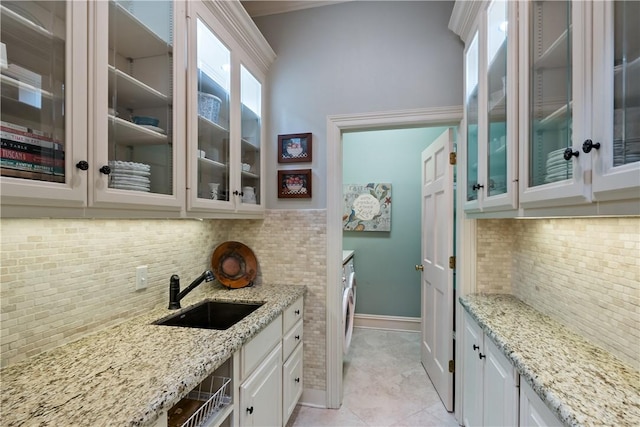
(264, 8)
(238, 22)
(463, 17)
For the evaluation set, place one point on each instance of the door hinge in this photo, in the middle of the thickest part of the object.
(452, 262)
(452, 366)
(453, 157)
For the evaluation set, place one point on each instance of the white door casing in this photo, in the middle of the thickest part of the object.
(437, 277)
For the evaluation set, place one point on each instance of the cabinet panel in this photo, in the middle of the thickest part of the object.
(257, 393)
(472, 391)
(254, 351)
(292, 383)
(533, 412)
(500, 406)
(616, 113)
(554, 116)
(43, 75)
(136, 83)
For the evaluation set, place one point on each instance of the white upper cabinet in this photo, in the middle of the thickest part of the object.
(44, 118)
(225, 95)
(490, 96)
(552, 107)
(616, 101)
(93, 89)
(555, 102)
(137, 114)
(581, 110)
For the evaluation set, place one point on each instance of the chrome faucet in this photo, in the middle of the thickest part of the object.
(174, 288)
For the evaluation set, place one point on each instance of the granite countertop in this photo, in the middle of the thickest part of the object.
(580, 382)
(127, 374)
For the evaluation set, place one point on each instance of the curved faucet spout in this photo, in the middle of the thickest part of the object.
(175, 295)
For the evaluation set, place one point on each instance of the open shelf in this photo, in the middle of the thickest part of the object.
(131, 134)
(134, 94)
(132, 37)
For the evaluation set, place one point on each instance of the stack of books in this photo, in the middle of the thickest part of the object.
(30, 154)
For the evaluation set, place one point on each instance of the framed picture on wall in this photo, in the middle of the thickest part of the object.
(294, 184)
(367, 207)
(295, 147)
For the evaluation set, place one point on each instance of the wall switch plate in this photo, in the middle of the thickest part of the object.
(141, 277)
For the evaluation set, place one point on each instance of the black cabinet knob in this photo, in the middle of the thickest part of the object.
(297, 337)
(476, 347)
(238, 193)
(83, 165)
(297, 312)
(297, 380)
(481, 356)
(105, 170)
(250, 410)
(569, 153)
(588, 145)
(476, 187)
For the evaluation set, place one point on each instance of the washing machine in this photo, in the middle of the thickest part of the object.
(348, 297)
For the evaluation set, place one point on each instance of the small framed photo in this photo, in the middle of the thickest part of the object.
(294, 184)
(294, 148)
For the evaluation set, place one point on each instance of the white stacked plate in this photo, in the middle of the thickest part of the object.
(130, 176)
(627, 153)
(557, 167)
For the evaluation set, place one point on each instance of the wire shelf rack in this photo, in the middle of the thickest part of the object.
(202, 403)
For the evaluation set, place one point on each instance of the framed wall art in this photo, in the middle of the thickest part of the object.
(295, 148)
(367, 207)
(294, 184)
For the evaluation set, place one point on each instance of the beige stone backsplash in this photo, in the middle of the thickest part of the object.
(65, 278)
(583, 272)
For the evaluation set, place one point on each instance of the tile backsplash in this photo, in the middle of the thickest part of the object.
(65, 278)
(583, 272)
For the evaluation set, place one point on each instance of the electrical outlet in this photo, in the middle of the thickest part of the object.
(141, 277)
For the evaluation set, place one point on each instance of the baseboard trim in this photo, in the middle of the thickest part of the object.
(391, 323)
(313, 398)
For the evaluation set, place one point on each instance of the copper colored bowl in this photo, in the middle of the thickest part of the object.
(234, 264)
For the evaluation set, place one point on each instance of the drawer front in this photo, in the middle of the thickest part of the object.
(292, 383)
(291, 339)
(255, 350)
(293, 314)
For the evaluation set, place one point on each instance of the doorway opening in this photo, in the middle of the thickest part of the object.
(337, 126)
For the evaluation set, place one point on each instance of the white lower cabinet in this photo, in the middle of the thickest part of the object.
(259, 386)
(292, 355)
(258, 392)
(533, 411)
(490, 393)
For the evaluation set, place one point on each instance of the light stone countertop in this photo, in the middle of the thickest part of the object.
(127, 374)
(580, 382)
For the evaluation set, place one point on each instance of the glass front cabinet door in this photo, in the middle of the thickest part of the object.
(43, 107)
(491, 92)
(138, 90)
(555, 103)
(224, 133)
(614, 146)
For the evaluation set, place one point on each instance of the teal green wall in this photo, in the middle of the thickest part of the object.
(387, 281)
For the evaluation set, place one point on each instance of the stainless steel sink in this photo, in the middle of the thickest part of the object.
(210, 315)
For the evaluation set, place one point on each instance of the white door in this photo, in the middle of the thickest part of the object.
(437, 277)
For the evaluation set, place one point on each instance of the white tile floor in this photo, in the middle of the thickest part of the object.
(384, 385)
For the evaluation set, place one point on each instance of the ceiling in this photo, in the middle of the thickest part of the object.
(266, 7)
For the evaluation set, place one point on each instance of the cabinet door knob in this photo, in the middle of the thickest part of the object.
(83, 165)
(481, 356)
(250, 410)
(297, 380)
(105, 170)
(297, 337)
(588, 145)
(476, 187)
(476, 347)
(297, 312)
(569, 153)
